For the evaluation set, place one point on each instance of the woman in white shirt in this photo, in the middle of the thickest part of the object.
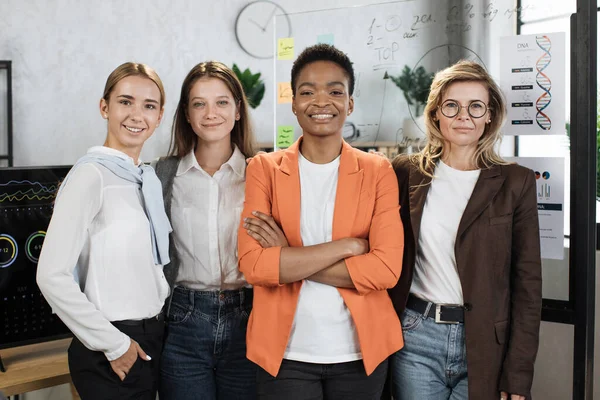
(101, 264)
(203, 185)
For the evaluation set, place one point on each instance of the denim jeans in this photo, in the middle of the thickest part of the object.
(433, 363)
(306, 381)
(204, 355)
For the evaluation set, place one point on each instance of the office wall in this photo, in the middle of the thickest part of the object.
(63, 51)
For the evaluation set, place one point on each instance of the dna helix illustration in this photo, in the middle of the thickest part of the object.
(543, 82)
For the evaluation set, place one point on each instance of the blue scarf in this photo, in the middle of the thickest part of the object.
(145, 176)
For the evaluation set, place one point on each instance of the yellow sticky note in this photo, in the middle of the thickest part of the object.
(285, 49)
(284, 92)
(285, 136)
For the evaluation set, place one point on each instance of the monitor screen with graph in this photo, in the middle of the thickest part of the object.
(26, 203)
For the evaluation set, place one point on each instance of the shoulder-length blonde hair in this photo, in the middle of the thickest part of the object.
(486, 154)
(183, 137)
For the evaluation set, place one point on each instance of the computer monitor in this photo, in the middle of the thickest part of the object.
(26, 204)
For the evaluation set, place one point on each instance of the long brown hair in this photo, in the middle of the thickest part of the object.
(132, 69)
(486, 154)
(183, 137)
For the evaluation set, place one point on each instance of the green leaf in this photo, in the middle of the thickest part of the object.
(254, 87)
(246, 75)
(415, 86)
(254, 79)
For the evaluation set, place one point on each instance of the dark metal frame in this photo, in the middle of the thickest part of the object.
(7, 65)
(583, 192)
(579, 310)
(519, 24)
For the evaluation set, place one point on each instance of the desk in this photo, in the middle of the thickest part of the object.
(34, 367)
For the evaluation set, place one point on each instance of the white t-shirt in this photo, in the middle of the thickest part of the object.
(436, 277)
(323, 331)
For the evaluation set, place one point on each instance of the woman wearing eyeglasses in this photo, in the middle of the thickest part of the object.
(470, 292)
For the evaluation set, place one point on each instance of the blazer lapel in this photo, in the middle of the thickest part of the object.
(489, 183)
(418, 187)
(287, 187)
(350, 178)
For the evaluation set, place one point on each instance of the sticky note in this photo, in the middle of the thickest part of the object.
(326, 38)
(284, 92)
(285, 49)
(285, 136)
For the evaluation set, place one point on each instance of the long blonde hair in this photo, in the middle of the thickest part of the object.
(486, 154)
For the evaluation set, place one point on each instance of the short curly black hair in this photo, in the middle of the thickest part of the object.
(323, 52)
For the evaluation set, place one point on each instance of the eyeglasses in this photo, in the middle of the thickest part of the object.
(451, 108)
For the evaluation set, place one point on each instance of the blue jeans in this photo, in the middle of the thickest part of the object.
(433, 363)
(204, 355)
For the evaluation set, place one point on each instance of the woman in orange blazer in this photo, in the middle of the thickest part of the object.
(322, 324)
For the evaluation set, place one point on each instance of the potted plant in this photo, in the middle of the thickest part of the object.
(415, 86)
(254, 87)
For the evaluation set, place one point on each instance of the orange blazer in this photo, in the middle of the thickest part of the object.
(366, 206)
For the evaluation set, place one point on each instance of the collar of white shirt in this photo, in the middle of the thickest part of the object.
(237, 163)
(112, 152)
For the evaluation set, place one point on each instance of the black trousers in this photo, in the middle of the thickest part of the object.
(94, 378)
(306, 381)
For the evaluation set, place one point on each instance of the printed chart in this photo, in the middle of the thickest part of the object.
(550, 184)
(532, 77)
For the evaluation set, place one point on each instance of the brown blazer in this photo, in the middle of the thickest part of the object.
(498, 260)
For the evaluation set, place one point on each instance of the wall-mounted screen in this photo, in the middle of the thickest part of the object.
(26, 203)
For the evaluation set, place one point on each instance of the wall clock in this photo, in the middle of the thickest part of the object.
(254, 28)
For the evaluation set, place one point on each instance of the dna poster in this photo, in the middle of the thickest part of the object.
(533, 78)
(550, 190)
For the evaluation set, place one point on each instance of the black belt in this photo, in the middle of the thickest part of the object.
(442, 313)
(139, 322)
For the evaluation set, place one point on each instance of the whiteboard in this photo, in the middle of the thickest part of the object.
(380, 40)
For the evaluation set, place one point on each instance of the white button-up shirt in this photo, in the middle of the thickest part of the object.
(99, 233)
(205, 214)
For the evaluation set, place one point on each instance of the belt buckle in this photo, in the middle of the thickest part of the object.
(438, 315)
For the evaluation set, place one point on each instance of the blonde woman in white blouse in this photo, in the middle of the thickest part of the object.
(203, 186)
(101, 264)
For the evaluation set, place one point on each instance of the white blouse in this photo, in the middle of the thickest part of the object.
(96, 264)
(205, 215)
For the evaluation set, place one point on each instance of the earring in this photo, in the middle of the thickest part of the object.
(294, 111)
(349, 113)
